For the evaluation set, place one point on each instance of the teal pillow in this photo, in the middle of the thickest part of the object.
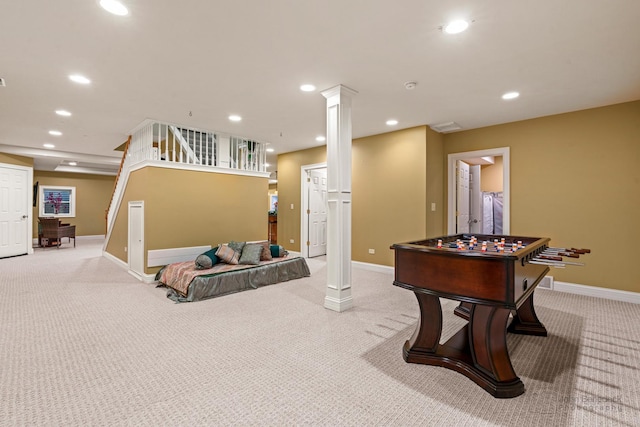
(207, 259)
(277, 251)
(251, 254)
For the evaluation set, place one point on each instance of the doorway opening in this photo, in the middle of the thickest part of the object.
(16, 223)
(313, 211)
(468, 206)
(135, 248)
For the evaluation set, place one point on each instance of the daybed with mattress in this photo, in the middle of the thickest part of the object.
(229, 268)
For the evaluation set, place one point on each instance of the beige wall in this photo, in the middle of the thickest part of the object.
(492, 176)
(93, 193)
(574, 178)
(187, 208)
(389, 193)
(395, 176)
(13, 159)
(435, 175)
(289, 192)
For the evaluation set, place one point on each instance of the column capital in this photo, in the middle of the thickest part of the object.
(339, 90)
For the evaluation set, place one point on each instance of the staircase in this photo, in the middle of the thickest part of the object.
(168, 145)
(200, 145)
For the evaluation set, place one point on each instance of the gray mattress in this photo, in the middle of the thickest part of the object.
(211, 286)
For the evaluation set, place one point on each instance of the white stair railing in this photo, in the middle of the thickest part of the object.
(190, 155)
(163, 142)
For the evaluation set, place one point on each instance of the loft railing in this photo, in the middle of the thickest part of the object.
(164, 143)
(178, 144)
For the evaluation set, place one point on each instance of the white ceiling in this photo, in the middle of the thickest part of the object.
(195, 62)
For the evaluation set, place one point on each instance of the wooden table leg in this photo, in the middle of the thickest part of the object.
(426, 337)
(478, 351)
(463, 310)
(525, 320)
(488, 336)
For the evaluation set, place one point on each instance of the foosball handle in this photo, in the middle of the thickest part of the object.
(581, 251)
(569, 254)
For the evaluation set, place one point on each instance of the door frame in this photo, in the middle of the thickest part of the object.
(304, 205)
(135, 204)
(506, 185)
(29, 208)
(475, 199)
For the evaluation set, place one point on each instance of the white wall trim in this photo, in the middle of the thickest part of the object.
(116, 260)
(161, 257)
(378, 268)
(146, 278)
(97, 236)
(594, 291)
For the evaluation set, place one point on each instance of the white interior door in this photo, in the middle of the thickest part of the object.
(475, 220)
(14, 211)
(317, 211)
(462, 204)
(136, 237)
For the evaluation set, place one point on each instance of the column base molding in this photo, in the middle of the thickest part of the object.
(338, 304)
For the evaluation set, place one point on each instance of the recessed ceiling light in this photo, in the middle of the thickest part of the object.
(63, 113)
(235, 118)
(73, 164)
(47, 145)
(455, 27)
(510, 95)
(79, 79)
(392, 122)
(55, 132)
(320, 138)
(270, 150)
(114, 6)
(307, 88)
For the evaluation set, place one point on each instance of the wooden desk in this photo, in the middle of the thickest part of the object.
(52, 233)
(489, 286)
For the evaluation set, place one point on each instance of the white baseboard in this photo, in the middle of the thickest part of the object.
(34, 241)
(594, 291)
(146, 278)
(378, 268)
(116, 260)
(160, 257)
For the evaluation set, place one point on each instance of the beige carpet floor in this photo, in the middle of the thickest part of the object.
(83, 343)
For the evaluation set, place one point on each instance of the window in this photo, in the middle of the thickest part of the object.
(57, 201)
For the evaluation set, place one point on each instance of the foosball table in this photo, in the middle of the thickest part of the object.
(493, 277)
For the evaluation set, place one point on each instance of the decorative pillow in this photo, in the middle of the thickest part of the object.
(207, 259)
(251, 254)
(228, 255)
(277, 251)
(266, 251)
(236, 246)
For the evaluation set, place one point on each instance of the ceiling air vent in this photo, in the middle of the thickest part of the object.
(2, 83)
(446, 127)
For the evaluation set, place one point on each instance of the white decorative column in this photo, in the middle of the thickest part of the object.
(338, 296)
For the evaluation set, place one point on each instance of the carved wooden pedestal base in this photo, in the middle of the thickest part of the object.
(479, 350)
